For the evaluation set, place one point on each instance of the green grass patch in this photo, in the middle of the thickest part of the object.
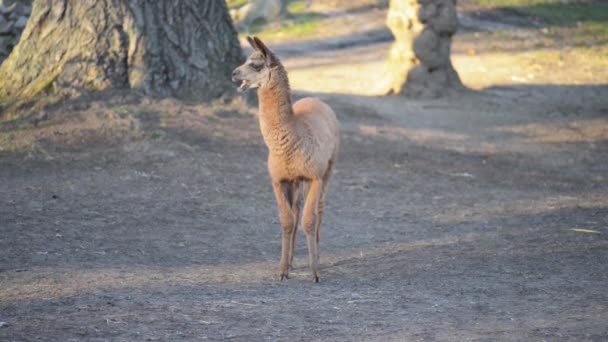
(569, 14)
(235, 3)
(581, 22)
(301, 24)
(513, 3)
(591, 33)
(297, 7)
(555, 11)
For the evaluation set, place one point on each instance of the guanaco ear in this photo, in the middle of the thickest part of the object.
(253, 43)
(269, 56)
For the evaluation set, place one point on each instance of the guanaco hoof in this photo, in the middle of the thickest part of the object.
(303, 140)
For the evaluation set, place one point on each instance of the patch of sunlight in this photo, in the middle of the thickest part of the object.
(345, 75)
(50, 282)
(235, 3)
(339, 260)
(355, 78)
(533, 67)
(515, 208)
(419, 135)
(307, 24)
(53, 282)
(564, 132)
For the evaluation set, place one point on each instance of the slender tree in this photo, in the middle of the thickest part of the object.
(419, 61)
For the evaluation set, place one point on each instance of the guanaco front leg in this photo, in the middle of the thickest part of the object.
(283, 194)
(322, 205)
(295, 208)
(310, 225)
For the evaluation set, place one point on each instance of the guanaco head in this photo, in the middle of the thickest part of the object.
(255, 72)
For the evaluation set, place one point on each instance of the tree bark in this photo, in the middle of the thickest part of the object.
(184, 48)
(419, 61)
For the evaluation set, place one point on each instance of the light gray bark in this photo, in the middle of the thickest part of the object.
(419, 60)
(184, 48)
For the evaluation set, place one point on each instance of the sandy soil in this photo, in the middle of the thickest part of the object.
(481, 217)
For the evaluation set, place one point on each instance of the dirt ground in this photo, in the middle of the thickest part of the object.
(481, 217)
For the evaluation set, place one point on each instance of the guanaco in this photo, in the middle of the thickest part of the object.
(303, 140)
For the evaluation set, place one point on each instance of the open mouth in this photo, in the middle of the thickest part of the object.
(244, 86)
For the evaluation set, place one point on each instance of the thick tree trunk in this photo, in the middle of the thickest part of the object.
(183, 48)
(419, 61)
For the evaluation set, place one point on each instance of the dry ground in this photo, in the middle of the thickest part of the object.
(481, 217)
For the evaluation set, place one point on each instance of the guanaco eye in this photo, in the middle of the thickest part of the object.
(256, 67)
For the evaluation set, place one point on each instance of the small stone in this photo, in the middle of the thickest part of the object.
(10, 8)
(259, 11)
(6, 28)
(21, 22)
(4, 42)
(6, 2)
(3, 324)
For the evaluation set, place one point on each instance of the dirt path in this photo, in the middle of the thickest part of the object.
(446, 220)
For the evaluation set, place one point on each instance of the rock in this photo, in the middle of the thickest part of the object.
(3, 324)
(2, 20)
(8, 9)
(3, 47)
(258, 11)
(21, 22)
(6, 28)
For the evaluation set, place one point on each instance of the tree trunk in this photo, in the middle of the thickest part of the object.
(184, 48)
(284, 9)
(419, 61)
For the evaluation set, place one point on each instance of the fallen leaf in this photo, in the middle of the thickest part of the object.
(586, 231)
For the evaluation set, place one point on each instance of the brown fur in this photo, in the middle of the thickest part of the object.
(303, 141)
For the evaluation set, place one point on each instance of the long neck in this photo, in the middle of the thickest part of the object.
(276, 110)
